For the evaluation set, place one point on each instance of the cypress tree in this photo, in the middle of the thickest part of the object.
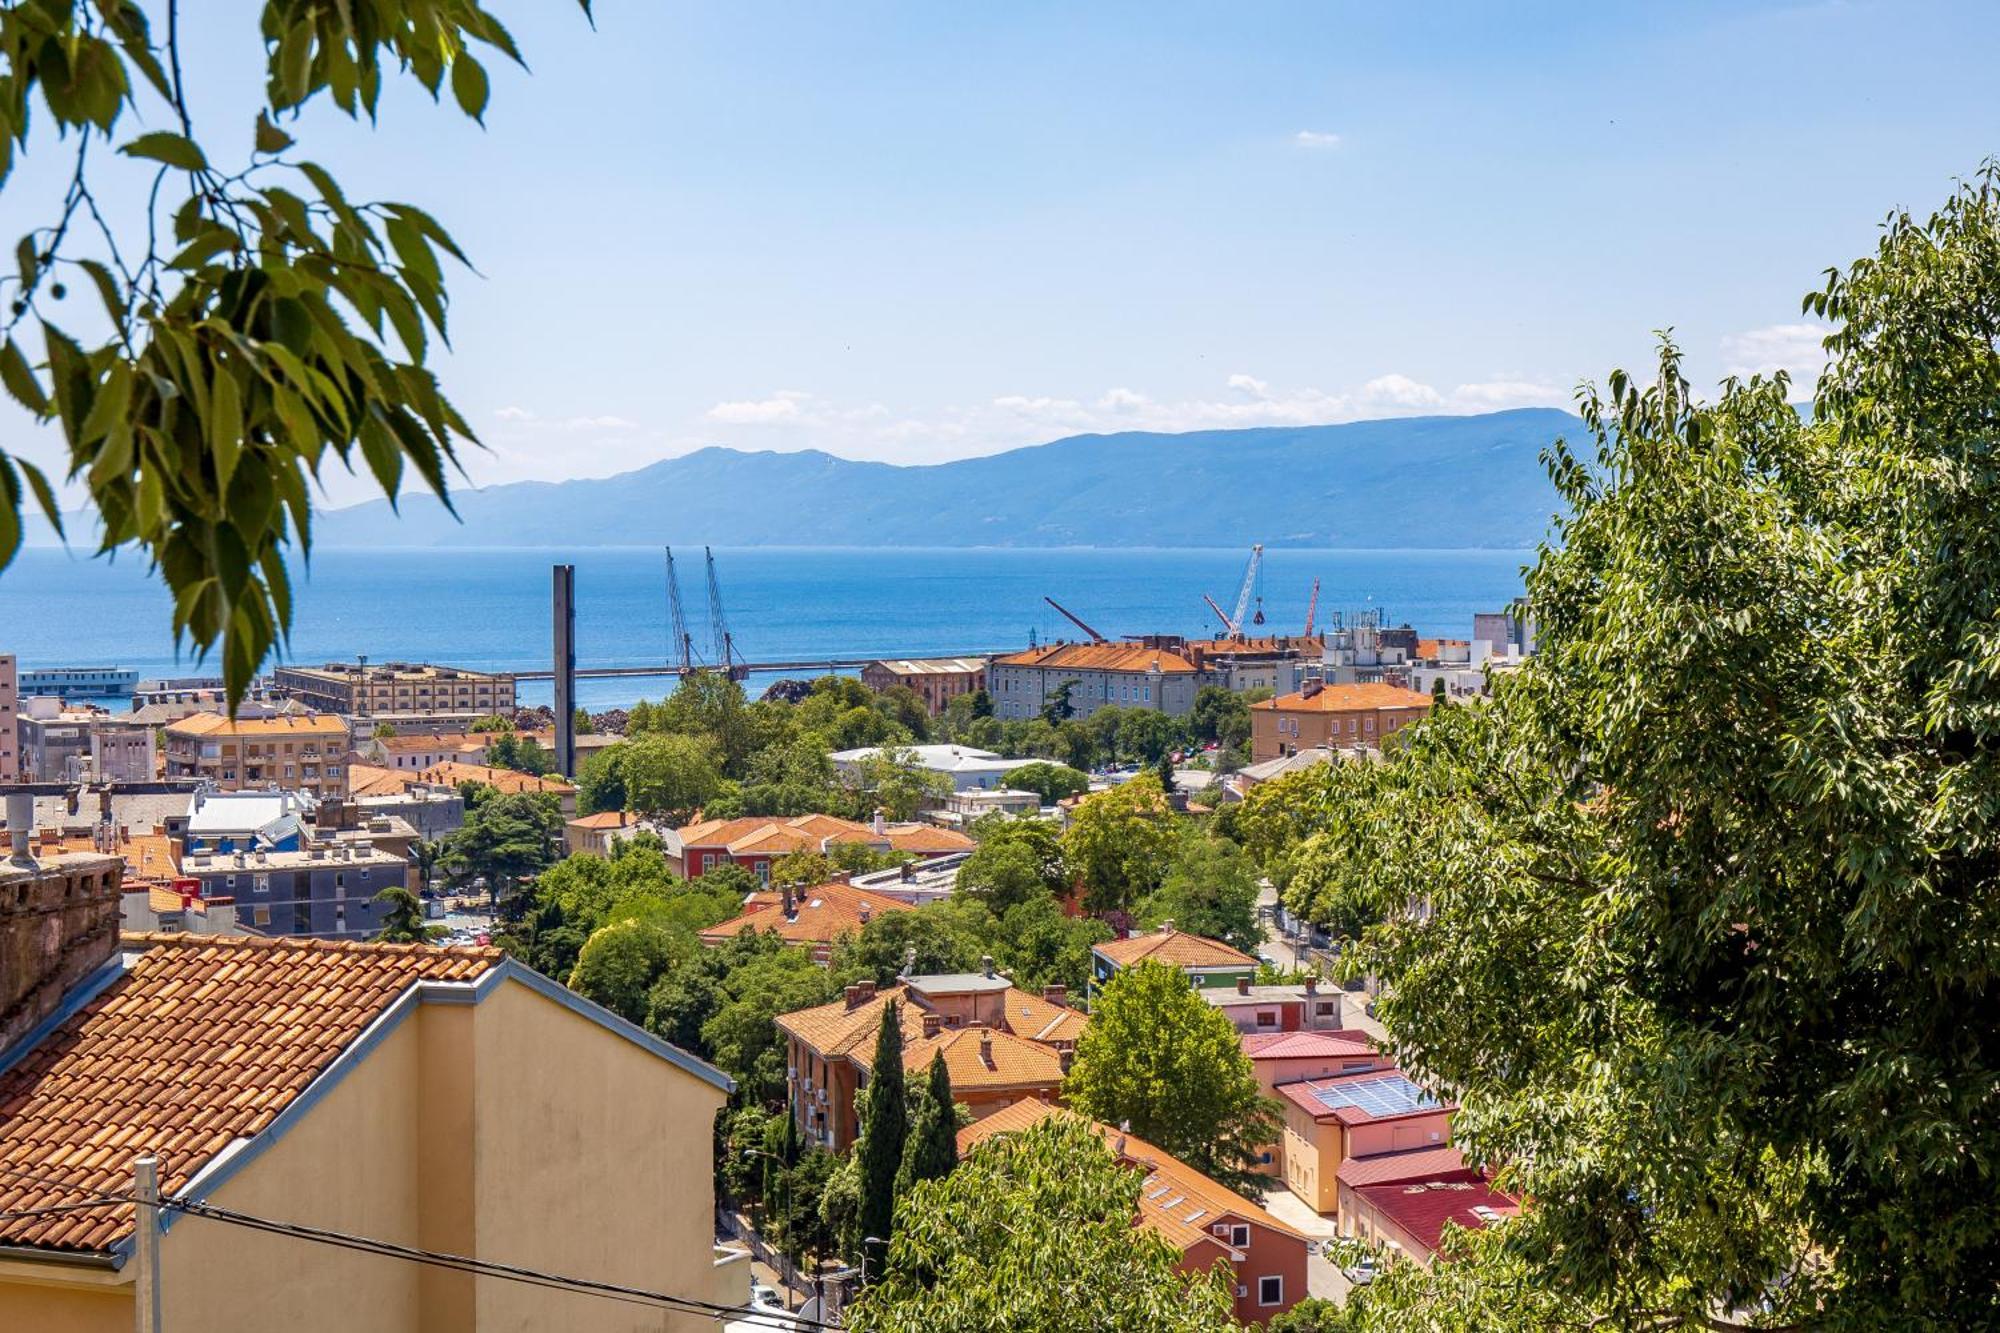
(884, 1128)
(933, 1146)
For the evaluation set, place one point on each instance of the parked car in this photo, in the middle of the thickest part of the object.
(1361, 1272)
(765, 1298)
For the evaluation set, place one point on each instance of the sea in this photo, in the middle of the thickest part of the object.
(489, 608)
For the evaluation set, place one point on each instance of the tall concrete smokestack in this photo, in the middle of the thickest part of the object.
(565, 669)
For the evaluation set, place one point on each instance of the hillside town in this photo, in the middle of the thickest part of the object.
(729, 911)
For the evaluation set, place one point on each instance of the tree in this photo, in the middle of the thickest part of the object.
(797, 868)
(1219, 715)
(246, 305)
(621, 961)
(1051, 782)
(384, 731)
(934, 938)
(1160, 1058)
(740, 1036)
(1439, 697)
(1057, 705)
(1041, 946)
(892, 781)
(1163, 769)
(1017, 860)
(1726, 843)
(402, 917)
(1034, 1233)
(884, 1128)
(491, 724)
(504, 838)
(523, 754)
(1210, 889)
(1318, 1315)
(932, 1148)
(708, 705)
(1118, 843)
(666, 778)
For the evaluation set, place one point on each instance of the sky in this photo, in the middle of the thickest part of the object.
(919, 232)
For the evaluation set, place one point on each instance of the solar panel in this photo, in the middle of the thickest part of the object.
(1391, 1094)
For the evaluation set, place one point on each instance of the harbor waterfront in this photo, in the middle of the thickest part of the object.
(489, 608)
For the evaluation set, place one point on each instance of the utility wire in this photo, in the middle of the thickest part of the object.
(456, 1262)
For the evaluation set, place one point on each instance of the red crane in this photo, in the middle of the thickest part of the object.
(1312, 609)
(1095, 637)
(1221, 614)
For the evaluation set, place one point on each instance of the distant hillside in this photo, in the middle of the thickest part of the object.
(1464, 481)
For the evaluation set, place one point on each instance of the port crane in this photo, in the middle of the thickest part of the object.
(684, 661)
(726, 658)
(1076, 620)
(683, 651)
(1312, 609)
(1236, 624)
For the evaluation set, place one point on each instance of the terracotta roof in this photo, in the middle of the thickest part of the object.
(368, 780)
(605, 819)
(148, 856)
(1031, 1016)
(1176, 1200)
(1343, 1042)
(200, 1043)
(1421, 1208)
(820, 914)
(1100, 657)
(979, 1058)
(505, 780)
(1397, 1167)
(1346, 699)
(215, 724)
(1176, 948)
(420, 744)
(834, 1029)
(763, 835)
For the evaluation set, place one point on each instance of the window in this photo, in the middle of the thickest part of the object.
(1267, 1018)
(260, 916)
(1271, 1290)
(1239, 1236)
(1324, 1009)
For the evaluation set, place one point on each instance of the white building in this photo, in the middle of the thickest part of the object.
(967, 768)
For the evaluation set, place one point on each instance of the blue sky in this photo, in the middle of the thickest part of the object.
(917, 232)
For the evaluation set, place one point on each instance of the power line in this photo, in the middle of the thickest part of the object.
(390, 1249)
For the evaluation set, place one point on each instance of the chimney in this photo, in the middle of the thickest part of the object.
(853, 995)
(791, 907)
(58, 925)
(867, 989)
(864, 912)
(1056, 993)
(1312, 987)
(986, 964)
(1312, 686)
(1242, 985)
(880, 828)
(933, 1023)
(986, 1047)
(1167, 926)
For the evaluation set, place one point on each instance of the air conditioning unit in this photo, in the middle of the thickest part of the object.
(1241, 1292)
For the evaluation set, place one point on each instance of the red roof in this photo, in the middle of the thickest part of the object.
(1333, 1044)
(1421, 1209)
(1397, 1168)
(1351, 1103)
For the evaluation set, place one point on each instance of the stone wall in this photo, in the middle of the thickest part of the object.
(58, 924)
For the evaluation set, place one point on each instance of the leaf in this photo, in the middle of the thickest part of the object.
(108, 289)
(432, 230)
(10, 511)
(45, 494)
(269, 138)
(225, 427)
(468, 85)
(205, 247)
(21, 381)
(172, 149)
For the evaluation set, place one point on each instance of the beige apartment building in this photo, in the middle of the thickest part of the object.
(1336, 716)
(299, 752)
(397, 690)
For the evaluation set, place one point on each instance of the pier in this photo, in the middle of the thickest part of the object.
(803, 664)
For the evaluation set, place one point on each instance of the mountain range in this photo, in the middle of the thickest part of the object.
(1446, 481)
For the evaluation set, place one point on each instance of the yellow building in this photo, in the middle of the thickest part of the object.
(412, 690)
(444, 1100)
(295, 751)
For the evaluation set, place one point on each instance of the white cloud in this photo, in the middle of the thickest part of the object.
(1249, 384)
(1499, 394)
(785, 406)
(522, 416)
(515, 414)
(1399, 391)
(1316, 139)
(1794, 348)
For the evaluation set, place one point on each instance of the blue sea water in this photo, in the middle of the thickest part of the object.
(489, 608)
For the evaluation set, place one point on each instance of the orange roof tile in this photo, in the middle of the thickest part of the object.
(763, 835)
(215, 724)
(821, 914)
(1176, 948)
(505, 780)
(368, 780)
(201, 1042)
(1031, 1016)
(1100, 657)
(981, 1058)
(1347, 699)
(834, 1029)
(605, 819)
(1177, 1201)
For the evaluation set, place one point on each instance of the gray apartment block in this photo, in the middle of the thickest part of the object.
(327, 893)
